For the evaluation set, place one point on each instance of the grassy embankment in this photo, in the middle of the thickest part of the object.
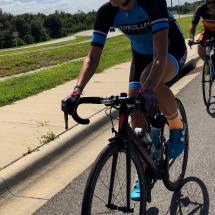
(78, 39)
(185, 26)
(117, 50)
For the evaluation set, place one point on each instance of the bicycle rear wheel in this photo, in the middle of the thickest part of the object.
(206, 83)
(176, 167)
(96, 198)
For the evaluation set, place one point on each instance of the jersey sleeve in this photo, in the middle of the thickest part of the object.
(157, 12)
(197, 15)
(102, 24)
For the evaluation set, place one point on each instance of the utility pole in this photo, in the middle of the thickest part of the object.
(179, 7)
(171, 6)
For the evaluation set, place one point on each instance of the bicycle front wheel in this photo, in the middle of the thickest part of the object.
(206, 83)
(176, 167)
(105, 191)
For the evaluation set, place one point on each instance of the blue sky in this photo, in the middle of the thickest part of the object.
(49, 6)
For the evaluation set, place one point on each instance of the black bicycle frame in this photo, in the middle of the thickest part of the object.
(128, 137)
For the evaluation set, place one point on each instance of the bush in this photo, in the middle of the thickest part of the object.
(29, 39)
(20, 42)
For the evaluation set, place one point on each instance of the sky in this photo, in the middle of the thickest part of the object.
(16, 7)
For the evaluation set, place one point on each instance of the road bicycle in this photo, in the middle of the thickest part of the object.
(125, 160)
(208, 78)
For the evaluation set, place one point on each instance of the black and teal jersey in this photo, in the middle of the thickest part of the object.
(139, 24)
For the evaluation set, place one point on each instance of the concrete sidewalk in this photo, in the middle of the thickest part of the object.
(23, 123)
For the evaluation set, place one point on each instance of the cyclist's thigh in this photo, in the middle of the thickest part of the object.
(206, 34)
(138, 65)
(177, 55)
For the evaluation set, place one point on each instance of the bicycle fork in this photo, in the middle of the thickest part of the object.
(124, 138)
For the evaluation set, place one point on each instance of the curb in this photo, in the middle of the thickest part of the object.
(28, 166)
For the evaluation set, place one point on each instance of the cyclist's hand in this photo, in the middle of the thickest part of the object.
(69, 103)
(149, 101)
(190, 42)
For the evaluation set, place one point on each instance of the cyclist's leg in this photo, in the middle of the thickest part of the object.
(205, 34)
(138, 64)
(176, 58)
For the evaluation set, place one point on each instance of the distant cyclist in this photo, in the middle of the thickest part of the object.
(159, 52)
(207, 12)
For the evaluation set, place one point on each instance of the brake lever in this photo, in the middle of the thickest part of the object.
(66, 120)
(66, 113)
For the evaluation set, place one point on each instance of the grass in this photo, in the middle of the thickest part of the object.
(78, 39)
(117, 50)
(29, 151)
(50, 136)
(185, 26)
(22, 63)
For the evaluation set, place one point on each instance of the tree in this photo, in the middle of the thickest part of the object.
(38, 31)
(54, 24)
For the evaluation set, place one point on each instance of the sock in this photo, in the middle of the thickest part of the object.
(174, 121)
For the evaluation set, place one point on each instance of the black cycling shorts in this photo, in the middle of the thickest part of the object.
(140, 61)
(206, 34)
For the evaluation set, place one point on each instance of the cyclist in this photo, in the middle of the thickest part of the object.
(159, 52)
(207, 12)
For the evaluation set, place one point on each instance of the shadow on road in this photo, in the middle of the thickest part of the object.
(211, 107)
(191, 199)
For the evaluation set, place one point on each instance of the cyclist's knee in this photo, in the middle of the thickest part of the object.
(137, 121)
(201, 51)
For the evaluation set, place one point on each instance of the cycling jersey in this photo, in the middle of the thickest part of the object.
(206, 14)
(146, 18)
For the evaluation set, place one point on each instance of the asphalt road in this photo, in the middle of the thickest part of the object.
(197, 195)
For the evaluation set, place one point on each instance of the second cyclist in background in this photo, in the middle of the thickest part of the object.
(207, 12)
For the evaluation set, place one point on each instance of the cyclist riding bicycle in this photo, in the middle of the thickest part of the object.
(159, 52)
(207, 12)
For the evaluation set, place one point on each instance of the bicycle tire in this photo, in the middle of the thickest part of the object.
(88, 206)
(172, 184)
(206, 84)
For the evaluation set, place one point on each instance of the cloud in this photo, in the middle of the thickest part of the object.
(47, 7)
(4, 1)
(48, 0)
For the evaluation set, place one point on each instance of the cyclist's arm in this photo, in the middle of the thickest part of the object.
(100, 31)
(195, 21)
(89, 67)
(160, 56)
(192, 30)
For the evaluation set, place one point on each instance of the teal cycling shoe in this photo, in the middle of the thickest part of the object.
(176, 142)
(135, 195)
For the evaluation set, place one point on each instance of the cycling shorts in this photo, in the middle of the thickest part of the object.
(140, 61)
(206, 34)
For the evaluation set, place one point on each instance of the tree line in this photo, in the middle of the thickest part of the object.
(186, 7)
(39, 27)
(34, 28)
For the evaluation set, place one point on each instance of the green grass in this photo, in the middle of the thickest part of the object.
(185, 26)
(21, 63)
(78, 39)
(117, 50)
